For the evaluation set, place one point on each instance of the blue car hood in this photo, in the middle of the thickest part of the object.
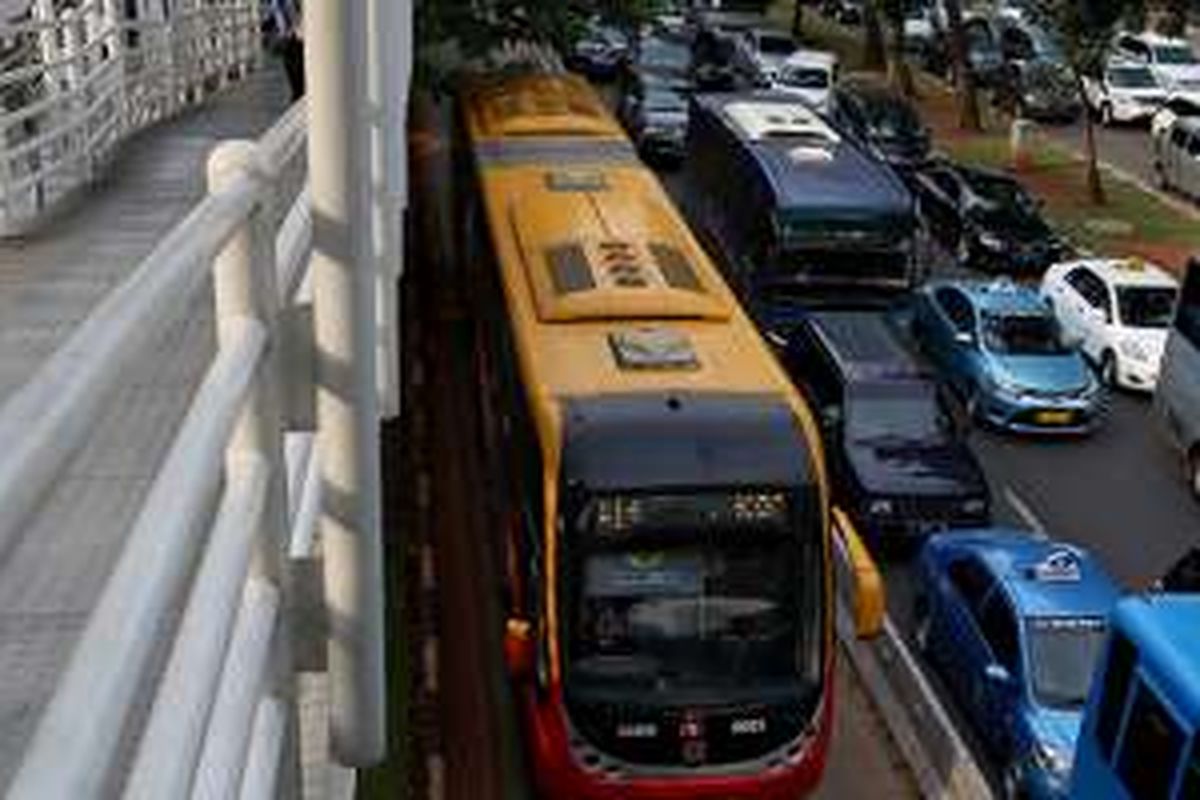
(1050, 373)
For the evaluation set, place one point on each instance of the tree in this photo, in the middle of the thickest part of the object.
(798, 20)
(1173, 21)
(898, 70)
(1085, 29)
(964, 76)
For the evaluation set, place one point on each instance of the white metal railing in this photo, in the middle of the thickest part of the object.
(222, 720)
(83, 77)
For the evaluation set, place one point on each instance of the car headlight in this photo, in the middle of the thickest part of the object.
(991, 241)
(1133, 349)
(1053, 760)
(880, 507)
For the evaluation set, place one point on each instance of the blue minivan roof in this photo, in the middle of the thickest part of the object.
(835, 179)
(1166, 631)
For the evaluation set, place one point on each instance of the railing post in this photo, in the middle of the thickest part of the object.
(244, 285)
(347, 399)
(388, 86)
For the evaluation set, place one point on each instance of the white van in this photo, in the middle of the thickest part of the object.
(1177, 156)
(1177, 399)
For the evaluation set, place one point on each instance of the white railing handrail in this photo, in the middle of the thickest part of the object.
(205, 682)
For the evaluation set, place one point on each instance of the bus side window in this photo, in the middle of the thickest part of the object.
(1121, 658)
(1150, 749)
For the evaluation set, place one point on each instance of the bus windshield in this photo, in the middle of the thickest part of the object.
(726, 606)
(1063, 653)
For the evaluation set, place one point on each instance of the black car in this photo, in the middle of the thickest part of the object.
(986, 218)
(656, 117)
(880, 120)
(899, 464)
(658, 58)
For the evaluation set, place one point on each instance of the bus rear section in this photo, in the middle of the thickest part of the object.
(792, 206)
(1141, 730)
(1177, 396)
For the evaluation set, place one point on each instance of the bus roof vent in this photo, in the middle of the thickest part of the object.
(619, 265)
(653, 349)
(674, 266)
(569, 268)
(760, 120)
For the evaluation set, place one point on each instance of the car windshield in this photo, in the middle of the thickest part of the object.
(1132, 78)
(1146, 306)
(1004, 204)
(662, 54)
(713, 608)
(895, 410)
(1062, 658)
(776, 45)
(1174, 54)
(891, 118)
(805, 77)
(1022, 335)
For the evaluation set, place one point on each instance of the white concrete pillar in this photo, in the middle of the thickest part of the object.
(344, 282)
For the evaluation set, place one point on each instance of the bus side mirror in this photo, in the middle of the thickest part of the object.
(859, 577)
(519, 648)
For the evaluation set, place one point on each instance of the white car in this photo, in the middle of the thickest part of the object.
(1118, 311)
(761, 51)
(808, 75)
(1126, 91)
(1171, 60)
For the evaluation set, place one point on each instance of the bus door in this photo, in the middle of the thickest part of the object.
(1136, 740)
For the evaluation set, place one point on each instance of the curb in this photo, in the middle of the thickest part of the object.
(941, 763)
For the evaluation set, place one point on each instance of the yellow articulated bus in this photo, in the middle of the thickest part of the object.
(667, 519)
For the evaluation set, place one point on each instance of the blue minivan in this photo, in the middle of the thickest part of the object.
(1141, 732)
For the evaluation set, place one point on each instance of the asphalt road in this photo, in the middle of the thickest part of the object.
(1126, 146)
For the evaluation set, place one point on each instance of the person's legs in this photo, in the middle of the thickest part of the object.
(293, 65)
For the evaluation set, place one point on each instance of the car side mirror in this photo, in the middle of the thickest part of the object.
(520, 647)
(997, 674)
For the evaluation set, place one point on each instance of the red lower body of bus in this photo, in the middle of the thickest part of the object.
(559, 776)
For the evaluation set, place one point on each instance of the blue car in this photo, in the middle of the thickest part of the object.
(1015, 624)
(998, 346)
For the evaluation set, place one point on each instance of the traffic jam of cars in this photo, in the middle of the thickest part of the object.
(913, 299)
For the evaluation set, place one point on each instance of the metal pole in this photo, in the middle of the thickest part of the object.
(347, 399)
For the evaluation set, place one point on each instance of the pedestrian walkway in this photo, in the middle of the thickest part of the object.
(52, 573)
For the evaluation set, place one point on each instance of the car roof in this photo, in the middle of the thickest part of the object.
(810, 58)
(1126, 271)
(1029, 568)
(864, 345)
(1000, 296)
(1152, 38)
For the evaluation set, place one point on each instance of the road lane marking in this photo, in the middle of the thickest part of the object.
(429, 661)
(1025, 512)
(435, 774)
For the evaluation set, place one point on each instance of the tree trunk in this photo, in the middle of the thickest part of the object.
(798, 21)
(873, 56)
(964, 77)
(899, 72)
(1094, 184)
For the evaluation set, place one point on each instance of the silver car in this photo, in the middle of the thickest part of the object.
(1178, 397)
(1177, 156)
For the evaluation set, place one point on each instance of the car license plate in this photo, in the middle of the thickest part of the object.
(1053, 417)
